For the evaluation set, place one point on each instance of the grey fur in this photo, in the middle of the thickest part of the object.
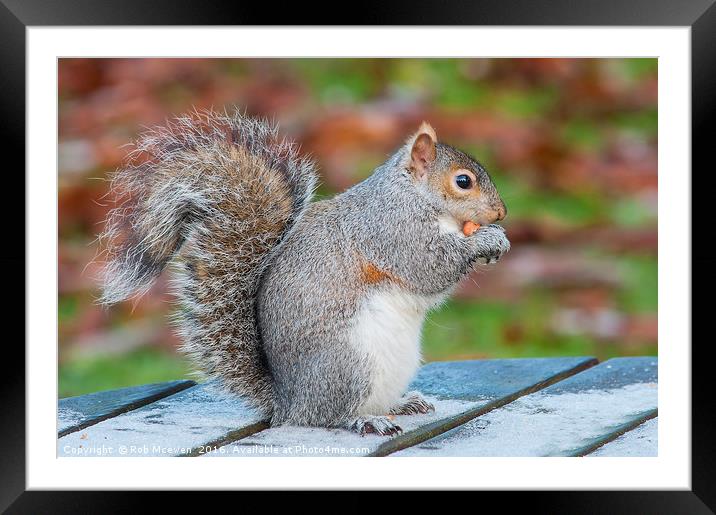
(223, 190)
(306, 314)
(274, 320)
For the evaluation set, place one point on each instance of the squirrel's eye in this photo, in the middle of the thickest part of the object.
(463, 181)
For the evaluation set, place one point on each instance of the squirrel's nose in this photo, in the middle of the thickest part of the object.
(493, 214)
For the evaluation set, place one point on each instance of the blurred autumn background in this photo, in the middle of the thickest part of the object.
(570, 143)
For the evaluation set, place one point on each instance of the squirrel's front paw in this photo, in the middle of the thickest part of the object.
(380, 425)
(492, 244)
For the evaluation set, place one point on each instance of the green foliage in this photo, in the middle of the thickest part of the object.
(582, 134)
(487, 329)
(529, 104)
(93, 373)
(628, 212)
(67, 308)
(337, 81)
(643, 123)
(640, 293)
(640, 67)
(453, 89)
(527, 202)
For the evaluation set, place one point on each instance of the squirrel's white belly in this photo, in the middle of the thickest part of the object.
(387, 329)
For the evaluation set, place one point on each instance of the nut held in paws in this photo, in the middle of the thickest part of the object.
(469, 228)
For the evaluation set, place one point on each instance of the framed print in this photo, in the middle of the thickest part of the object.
(459, 243)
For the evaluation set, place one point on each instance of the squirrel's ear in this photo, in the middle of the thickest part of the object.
(423, 150)
(426, 128)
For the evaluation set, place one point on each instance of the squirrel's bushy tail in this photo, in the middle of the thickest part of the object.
(221, 190)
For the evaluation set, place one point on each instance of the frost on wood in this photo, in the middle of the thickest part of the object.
(172, 426)
(641, 441)
(67, 417)
(314, 441)
(84, 410)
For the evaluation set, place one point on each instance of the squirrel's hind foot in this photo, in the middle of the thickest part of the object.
(381, 425)
(412, 403)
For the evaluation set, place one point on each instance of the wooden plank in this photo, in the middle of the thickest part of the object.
(459, 390)
(640, 441)
(76, 413)
(569, 418)
(174, 426)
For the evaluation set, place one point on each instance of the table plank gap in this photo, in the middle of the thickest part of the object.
(230, 437)
(640, 441)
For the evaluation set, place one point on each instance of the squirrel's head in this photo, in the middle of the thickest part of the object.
(456, 181)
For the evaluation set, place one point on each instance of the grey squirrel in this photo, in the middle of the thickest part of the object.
(310, 310)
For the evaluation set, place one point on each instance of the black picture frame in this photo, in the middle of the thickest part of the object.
(17, 15)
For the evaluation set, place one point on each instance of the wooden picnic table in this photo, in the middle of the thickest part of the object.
(571, 406)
